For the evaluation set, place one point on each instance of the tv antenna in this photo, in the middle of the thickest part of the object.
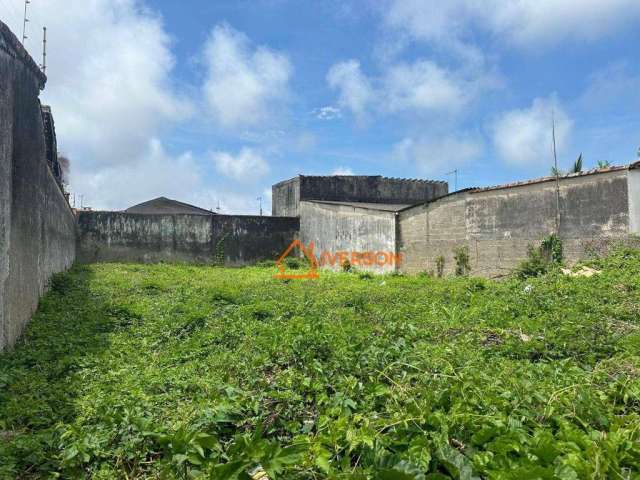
(44, 50)
(455, 173)
(260, 200)
(24, 21)
(557, 172)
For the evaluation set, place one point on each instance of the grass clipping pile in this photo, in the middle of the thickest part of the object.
(158, 371)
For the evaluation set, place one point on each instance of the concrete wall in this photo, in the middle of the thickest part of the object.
(149, 238)
(337, 228)
(634, 200)
(287, 195)
(497, 225)
(37, 227)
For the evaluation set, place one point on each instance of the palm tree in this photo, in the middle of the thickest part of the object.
(577, 165)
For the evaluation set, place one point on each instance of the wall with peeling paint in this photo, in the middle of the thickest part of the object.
(498, 224)
(232, 240)
(335, 228)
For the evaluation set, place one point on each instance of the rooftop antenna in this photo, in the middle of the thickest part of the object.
(260, 200)
(44, 50)
(556, 171)
(24, 21)
(218, 207)
(455, 173)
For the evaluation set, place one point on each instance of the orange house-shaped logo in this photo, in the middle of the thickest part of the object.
(307, 252)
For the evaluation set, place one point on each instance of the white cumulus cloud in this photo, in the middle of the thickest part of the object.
(528, 23)
(109, 85)
(327, 113)
(245, 85)
(247, 165)
(436, 155)
(354, 89)
(342, 171)
(422, 87)
(523, 137)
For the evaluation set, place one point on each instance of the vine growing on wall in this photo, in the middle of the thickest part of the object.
(440, 265)
(219, 250)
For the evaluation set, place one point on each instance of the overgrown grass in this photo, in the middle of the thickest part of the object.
(132, 371)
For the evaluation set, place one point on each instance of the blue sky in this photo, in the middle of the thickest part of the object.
(213, 102)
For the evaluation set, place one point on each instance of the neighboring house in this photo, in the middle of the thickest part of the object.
(163, 205)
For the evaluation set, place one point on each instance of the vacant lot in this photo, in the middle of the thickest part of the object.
(132, 371)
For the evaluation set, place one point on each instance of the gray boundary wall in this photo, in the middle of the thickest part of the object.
(498, 224)
(37, 226)
(233, 240)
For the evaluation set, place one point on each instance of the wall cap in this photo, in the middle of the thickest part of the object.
(10, 44)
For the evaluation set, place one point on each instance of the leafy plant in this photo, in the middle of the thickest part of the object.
(346, 265)
(577, 165)
(556, 172)
(461, 257)
(604, 163)
(219, 256)
(540, 259)
(440, 266)
(551, 248)
(177, 371)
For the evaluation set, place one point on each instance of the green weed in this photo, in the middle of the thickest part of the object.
(167, 371)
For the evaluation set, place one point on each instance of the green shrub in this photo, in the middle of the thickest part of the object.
(541, 259)
(227, 372)
(440, 265)
(461, 256)
(346, 265)
(293, 263)
(551, 248)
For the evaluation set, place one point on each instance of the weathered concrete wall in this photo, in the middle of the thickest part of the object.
(335, 228)
(150, 238)
(287, 195)
(432, 230)
(498, 225)
(634, 200)
(37, 227)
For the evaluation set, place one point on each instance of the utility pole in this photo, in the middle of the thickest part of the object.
(555, 164)
(44, 50)
(260, 200)
(24, 21)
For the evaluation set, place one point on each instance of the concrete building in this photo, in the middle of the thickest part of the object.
(287, 195)
(164, 205)
(365, 233)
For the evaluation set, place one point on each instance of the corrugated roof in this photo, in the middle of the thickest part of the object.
(593, 171)
(386, 207)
